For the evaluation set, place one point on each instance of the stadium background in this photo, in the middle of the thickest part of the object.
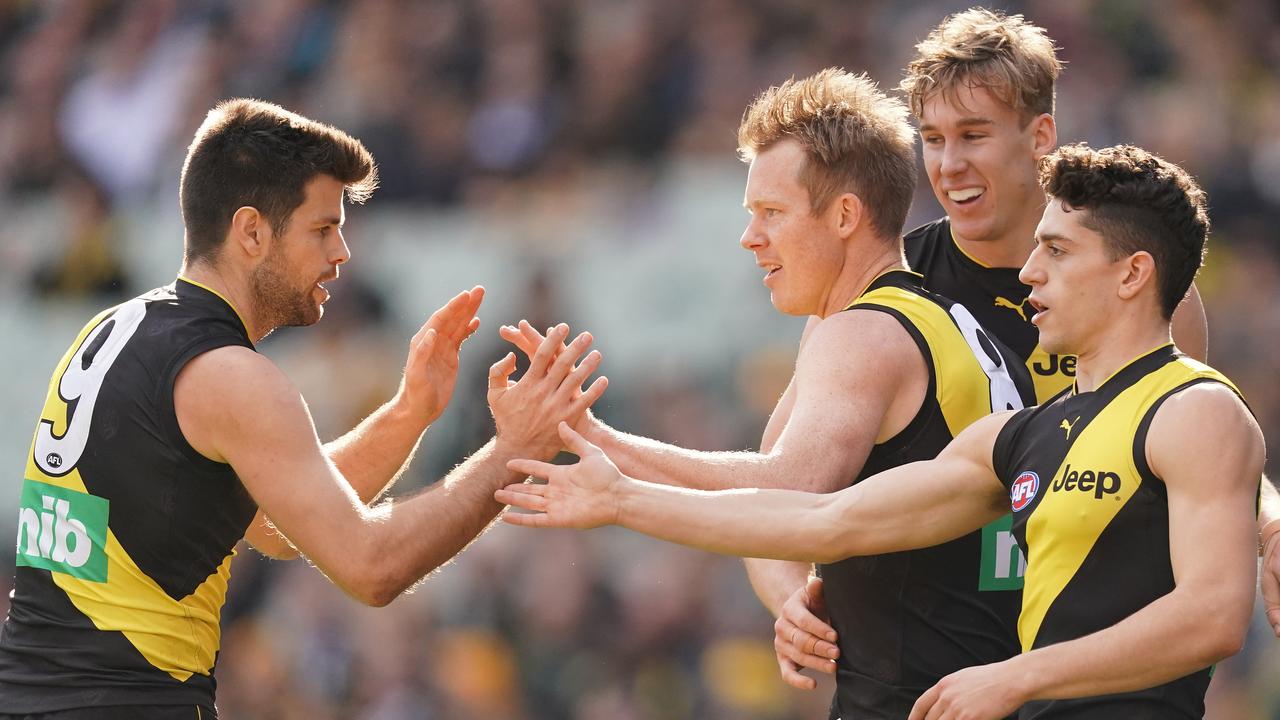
(577, 158)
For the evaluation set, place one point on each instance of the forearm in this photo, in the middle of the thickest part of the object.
(370, 457)
(775, 580)
(664, 464)
(777, 524)
(419, 534)
(1174, 636)
(374, 453)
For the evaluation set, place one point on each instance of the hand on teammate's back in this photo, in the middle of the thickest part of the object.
(802, 636)
(527, 412)
(432, 367)
(581, 495)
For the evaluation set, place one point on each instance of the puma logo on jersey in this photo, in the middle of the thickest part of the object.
(1016, 307)
(1098, 482)
(1069, 426)
(62, 531)
(1023, 490)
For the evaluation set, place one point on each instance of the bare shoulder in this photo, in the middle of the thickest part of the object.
(1205, 424)
(226, 391)
(862, 332)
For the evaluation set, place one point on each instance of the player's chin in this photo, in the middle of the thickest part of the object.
(1055, 343)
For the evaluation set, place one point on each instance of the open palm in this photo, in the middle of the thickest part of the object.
(582, 495)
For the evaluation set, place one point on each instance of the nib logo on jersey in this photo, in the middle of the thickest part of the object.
(63, 531)
(1097, 482)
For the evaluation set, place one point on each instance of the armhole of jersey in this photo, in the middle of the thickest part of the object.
(165, 391)
(1002, 448)
(1144, 426)
(929, 405)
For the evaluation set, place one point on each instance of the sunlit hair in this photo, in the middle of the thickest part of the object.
(979, 48)
(1137, 202)
(253, 153)
(855, 138)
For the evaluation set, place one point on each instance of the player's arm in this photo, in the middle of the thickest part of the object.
(235, 406)
(1191, 326)
(1268, 542)
(374, 454)
(907, 507)
(848, 371)
(1209, 451)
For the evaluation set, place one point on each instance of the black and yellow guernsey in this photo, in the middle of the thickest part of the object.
(1094, 520)
(907, 619)
(125, 532)
(995, 296)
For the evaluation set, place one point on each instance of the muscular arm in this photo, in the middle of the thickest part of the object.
(907, 507)
(235, 406)
(1209, 451)
(373, 455)
(854, 370)
(773, 581)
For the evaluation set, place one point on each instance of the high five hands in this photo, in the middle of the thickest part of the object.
(582, 495)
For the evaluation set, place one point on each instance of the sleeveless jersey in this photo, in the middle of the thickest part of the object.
(995, 296)
(907, 619)
(1094, 520)
(125, 532)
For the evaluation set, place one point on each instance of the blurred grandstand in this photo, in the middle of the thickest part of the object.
(576, 158)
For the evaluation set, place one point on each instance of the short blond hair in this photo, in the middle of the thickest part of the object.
(855, 138)
(1009, 56)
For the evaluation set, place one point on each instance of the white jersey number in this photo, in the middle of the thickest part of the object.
(79, 387)
(1004, 392)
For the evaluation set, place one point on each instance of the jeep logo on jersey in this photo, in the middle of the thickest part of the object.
(1024, 490)
(63, 531)
(1098, 482)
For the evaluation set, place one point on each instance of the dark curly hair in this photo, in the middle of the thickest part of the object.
(1137, 201)
(253, 153)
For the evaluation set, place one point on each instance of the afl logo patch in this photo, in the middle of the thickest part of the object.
(1024, 490)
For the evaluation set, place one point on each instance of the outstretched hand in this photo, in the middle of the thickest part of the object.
(431, 370)
(583, 495)
(550, 391)
(528, 340)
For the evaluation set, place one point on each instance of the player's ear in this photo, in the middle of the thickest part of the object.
(249, 231)
(1044, 135)
(1139, 272)
(849, 213)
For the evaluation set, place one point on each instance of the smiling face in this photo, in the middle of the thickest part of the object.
(1075, 284)
(286, 285)
(801, 254)
(981, 161)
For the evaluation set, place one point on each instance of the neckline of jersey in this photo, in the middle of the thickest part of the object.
(871, 285)
(1075, 390)
(221, 297)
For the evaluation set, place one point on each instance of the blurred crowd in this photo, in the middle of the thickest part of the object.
(533, 115)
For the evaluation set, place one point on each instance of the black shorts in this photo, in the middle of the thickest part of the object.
(124, 712)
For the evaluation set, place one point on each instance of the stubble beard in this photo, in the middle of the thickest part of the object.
(276, 299)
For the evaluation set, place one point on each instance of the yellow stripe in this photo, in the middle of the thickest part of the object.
(963, 401)
(180, 637)
(220, 297)
(1066, 524)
